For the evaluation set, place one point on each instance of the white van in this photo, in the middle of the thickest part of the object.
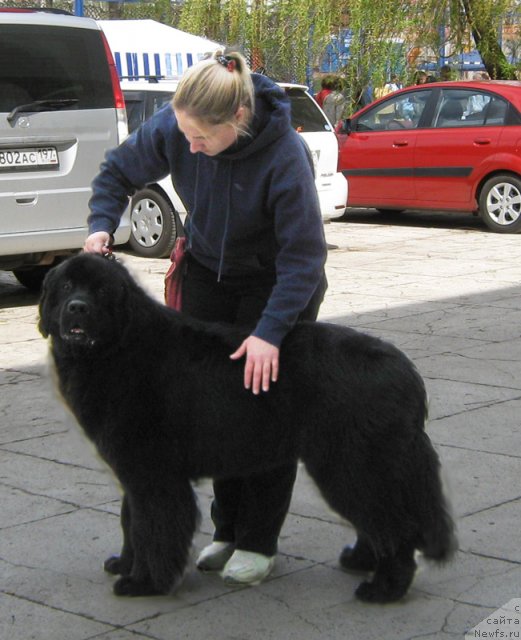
(61, 109)
(157, 212)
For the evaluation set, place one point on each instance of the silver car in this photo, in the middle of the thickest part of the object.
(61, 109)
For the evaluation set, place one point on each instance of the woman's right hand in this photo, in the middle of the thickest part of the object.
(98, 242)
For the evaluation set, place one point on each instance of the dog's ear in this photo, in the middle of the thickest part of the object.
(44, 322)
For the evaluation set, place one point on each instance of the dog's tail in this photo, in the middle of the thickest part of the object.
(439, 540)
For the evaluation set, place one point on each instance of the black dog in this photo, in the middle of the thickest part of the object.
(164, 404)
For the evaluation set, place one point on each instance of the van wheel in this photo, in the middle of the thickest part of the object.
(500, 203)
(153, 224)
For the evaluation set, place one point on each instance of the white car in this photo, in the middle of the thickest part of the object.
(157, 213)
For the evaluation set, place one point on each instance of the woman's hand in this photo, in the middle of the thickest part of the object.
(262, 363)
(98, 242)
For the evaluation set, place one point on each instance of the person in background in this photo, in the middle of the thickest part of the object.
(477, 101)
(446, 73)
(393, 84)
(327, 85)
(389, 87)
(421, 77)
(255, 255)
(335, 103)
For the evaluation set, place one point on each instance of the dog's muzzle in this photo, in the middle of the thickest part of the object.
(75, 321)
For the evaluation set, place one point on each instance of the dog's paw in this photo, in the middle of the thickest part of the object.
(117, 566)
(372, 593)
(128, 586)
(381, 591)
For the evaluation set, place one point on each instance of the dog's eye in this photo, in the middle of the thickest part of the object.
(67, 286)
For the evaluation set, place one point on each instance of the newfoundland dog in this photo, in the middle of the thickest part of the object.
(160, 398)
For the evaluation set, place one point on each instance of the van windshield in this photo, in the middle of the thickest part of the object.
(52, 63)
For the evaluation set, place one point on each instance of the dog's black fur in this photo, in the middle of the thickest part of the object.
(159, 396)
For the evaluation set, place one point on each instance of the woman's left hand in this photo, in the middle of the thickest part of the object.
(262, 363)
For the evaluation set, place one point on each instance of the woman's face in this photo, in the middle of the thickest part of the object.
(209, 139)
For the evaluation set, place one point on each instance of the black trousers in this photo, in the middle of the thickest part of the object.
(248, 512)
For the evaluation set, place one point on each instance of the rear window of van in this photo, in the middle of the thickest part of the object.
(306, 116)
(40, 62)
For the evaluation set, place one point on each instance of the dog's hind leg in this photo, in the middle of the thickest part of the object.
(381, 546)
(122, 564)
(162, 526)
(393, 573)
(359, 557)
(392, 578)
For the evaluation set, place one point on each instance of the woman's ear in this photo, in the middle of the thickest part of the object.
(241, 115)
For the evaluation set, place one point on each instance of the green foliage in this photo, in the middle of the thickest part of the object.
(484, 18)
(284, 37)
(381, 34)
(288, 37)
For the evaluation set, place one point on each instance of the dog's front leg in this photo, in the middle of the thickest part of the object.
(162, 526)
(122, 564)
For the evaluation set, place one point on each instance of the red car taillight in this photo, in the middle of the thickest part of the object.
(119, 100)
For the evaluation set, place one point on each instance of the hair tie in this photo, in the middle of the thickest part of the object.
(227, 62)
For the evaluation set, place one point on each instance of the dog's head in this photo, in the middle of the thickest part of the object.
(85, 302)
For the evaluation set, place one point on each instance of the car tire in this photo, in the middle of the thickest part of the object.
(154, 224)
(500, 203)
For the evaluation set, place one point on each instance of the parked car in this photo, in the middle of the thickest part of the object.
(61, 109)
(157, 212)
(447, 145)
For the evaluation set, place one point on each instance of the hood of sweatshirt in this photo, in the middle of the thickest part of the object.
(271, 119)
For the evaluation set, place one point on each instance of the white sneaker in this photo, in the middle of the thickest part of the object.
(214, 556)
(246, 567)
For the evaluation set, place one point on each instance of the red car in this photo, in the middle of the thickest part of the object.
(446, 145)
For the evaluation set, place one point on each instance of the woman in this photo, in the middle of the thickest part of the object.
(256, 254)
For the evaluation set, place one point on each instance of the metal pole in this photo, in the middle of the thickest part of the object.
(78, 7)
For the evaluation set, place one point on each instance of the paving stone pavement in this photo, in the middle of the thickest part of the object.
(449, 295)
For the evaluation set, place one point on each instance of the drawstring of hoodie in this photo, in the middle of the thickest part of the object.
(194, 208)
(228, 191)
(226, 221)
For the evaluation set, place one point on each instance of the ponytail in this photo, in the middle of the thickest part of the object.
(214, 89)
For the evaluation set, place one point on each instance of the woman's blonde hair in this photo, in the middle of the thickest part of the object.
(214, 89)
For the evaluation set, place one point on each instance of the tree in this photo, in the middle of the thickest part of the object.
(280, 36)
(482, 19)
(379, 35)
(288, 37)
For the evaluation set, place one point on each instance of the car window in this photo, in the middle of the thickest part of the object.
(403, 111)
(470, 108)
(158, 100)
(43, 62)
(135, 106)
(305, 113)
(141, 105)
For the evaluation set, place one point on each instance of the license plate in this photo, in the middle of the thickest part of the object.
(34, 158)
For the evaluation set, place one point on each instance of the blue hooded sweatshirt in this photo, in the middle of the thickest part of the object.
(253, 208)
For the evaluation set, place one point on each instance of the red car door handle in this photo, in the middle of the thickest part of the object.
(482, 141)
(400, 143)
